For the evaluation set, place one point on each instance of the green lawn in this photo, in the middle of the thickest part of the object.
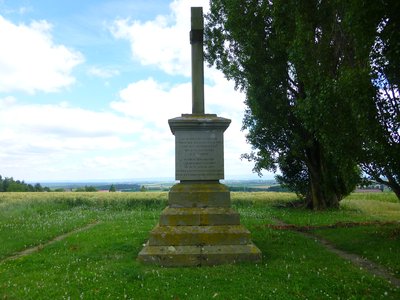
(99, 263)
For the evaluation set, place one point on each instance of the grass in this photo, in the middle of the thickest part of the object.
(99, 263)
(382, 197)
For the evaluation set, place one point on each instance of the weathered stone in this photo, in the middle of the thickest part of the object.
(171, 256)
(199, 235)
(196, 41)
(199, 216)
(223, 254)
(174, 256)
(199, 148)
(205, 194)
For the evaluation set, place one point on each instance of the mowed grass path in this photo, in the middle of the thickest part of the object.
(100, 262)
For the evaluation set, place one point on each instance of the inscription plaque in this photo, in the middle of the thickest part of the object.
(199, 155)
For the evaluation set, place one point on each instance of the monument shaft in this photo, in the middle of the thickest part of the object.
(196, 40)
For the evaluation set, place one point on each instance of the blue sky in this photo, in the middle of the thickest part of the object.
(87, 88)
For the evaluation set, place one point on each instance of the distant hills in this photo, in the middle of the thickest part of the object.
(154, 185)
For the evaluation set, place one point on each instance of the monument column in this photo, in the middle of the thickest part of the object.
(196, 41)
(199, 227)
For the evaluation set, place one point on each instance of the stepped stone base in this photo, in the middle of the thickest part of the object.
(175, 256)
(199, 216)
(199, 235)
(199, 228)
(206, 194)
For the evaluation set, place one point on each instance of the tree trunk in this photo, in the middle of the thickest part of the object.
(323, 193)
(391, 182)
(396, 190)
(394, 185)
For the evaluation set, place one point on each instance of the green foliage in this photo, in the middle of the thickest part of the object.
(99, 263)
(11, 185)
(86, 188)
(305, 69)
(381, 159)
(112, 188)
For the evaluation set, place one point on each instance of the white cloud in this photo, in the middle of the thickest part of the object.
(63, 121)
(7, 101)
(103, 72)
(154, 103)
(48, 141)
(21, 10)
(30, 61)
(163, 42)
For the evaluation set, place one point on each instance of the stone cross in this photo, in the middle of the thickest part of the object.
(199, 227)
(196, 40)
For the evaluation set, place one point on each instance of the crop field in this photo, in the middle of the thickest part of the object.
(84, 246)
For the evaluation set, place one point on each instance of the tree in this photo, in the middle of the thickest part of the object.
(90, 188)
(38, 187)
(30, 188)
(381, 159)
(304, 67)
(112, 188)
(11, 185)
(86, 188)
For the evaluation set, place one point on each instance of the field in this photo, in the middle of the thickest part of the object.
(84, 246)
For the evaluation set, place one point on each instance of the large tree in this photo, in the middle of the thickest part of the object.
(304, 67)
(381, 159)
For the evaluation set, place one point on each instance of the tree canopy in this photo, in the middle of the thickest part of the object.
(305, 67)
(381, 159)
(112, 188)
(8, 184)
(86, 188)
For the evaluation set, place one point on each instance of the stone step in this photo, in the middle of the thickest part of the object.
(199, 216)
(199, 195)
(179, 256)
(199, 235)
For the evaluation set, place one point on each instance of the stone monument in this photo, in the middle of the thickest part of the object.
(199, 227)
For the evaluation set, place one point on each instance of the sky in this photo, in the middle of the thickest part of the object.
(87, 88)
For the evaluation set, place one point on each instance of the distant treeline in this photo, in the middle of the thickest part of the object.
(125, 187)
(11, 185)
(120, 187)
(274, 188)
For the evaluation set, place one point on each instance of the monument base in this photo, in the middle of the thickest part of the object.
(191, 256)
(199, 228)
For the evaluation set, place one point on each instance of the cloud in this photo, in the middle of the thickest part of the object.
(163, 42)
(21, 10)
(153, 103)
(103, 72)
(35, 138)
(63, 121)
(30, 61)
